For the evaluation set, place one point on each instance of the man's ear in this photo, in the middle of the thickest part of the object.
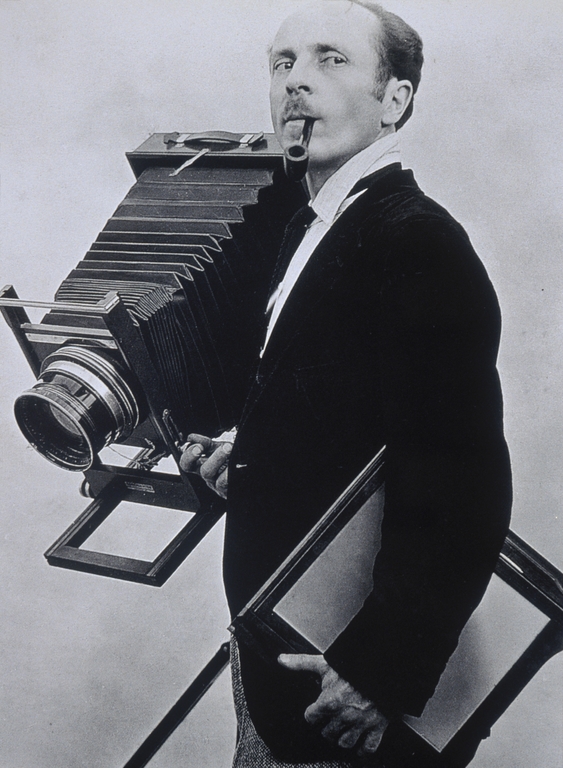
(398, 96)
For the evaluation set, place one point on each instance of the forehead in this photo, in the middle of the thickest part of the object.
(336, 24)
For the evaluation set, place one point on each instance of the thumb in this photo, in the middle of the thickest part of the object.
(304, 662)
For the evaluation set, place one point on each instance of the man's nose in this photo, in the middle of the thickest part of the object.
(300, 78)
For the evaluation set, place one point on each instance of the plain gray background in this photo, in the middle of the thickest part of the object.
(89, 665)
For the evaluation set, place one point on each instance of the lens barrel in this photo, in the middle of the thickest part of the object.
(82, 402)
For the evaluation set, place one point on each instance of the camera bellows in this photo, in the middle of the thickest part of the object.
(184, 258)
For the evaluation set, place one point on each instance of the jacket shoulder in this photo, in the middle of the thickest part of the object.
(414, 248)
(396, 201)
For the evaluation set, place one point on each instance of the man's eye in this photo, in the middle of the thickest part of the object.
(334, 60)
(283, 65)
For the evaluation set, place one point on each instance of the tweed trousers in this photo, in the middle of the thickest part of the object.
(251, 751)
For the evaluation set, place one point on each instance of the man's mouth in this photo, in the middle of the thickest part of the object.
(293, 112)
(296, 116)
(296, 124)
(296, 121)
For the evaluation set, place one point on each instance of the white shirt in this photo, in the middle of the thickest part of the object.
(329, 204)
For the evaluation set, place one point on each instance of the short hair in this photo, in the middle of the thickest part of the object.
(399, 49)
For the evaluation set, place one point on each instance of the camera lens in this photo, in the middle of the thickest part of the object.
(82, 402)
(64, 421)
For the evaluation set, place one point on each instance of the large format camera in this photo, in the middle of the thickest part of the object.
(154, 333)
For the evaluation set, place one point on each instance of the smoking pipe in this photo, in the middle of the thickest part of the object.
(296, 156)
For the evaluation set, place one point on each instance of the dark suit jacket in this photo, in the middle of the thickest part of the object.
(389, 338)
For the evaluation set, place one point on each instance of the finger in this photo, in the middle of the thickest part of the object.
(215, 464)
(323, 709)
(350, 737)
(341, 722)
(373, 739)
(190, 457)
(222, 484)
(304, 662)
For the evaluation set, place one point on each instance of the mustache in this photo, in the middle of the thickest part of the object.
(295, 109)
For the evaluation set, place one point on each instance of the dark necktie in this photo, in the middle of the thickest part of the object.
(294, 233)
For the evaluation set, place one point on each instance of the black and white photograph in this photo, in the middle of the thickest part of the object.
(281, 425)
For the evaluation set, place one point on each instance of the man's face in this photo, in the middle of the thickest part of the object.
(323, 65)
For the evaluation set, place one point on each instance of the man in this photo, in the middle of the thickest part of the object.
(383, 330)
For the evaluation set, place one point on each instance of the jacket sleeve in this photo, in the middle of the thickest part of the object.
(448, 488)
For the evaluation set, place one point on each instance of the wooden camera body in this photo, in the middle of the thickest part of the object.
(154, 333)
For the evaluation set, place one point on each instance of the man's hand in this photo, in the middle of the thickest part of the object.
(345, 716)
(209, 459)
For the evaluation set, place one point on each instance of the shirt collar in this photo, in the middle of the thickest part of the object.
(334, 191)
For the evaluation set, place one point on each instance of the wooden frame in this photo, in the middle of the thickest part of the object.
(258, 624)
(526, 572)
(141, 487)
